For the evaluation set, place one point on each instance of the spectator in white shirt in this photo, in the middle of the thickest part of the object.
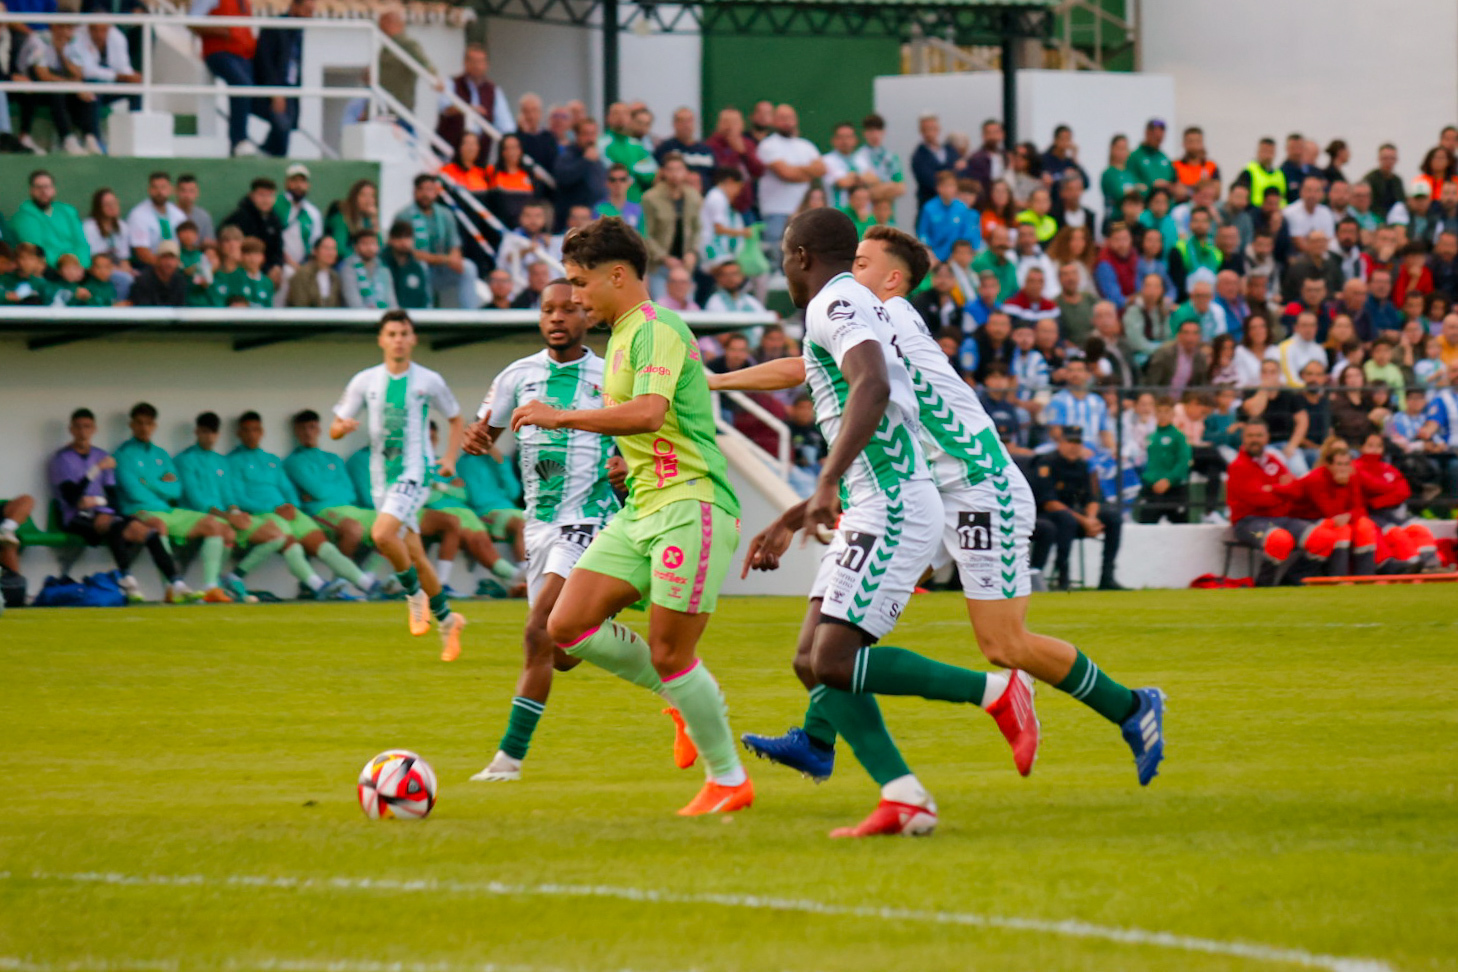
(531, 242)
(1309, 212)
(44, 57)
(101, 52)
(792, 162)
(845, 166)
(730, 293)
(721, 226)
(1030, 255)
(154, 219)
(1298, 350)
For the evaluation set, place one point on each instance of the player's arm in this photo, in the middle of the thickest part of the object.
(864, 367)
(453, 447)
(770, 376)
(646, 413)
(770, 543)
(348, 407)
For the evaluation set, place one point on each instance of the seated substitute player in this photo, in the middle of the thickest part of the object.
(207, 477)
(1403, 543)
(494, 491)
(398, 395)
(260, 486)
(867, 411)
(989, 515)
(679, 528)
(325, 489)
(150, 490)
(444, 529)
(83, 479)
(13, 512)
(448, 498)
(568, 500)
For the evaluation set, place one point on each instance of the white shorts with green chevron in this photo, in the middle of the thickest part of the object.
(988, 527)
(879, 552)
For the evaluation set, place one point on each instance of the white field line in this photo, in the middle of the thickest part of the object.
(15, 964)
(1069, 928)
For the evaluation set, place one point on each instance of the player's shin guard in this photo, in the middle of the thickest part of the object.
(1087, 683)
(525, 714)
(896, 671)
(858, 720)
(342, 566)
(697, 696)
(211, 553)
(616, 648)
(257, 555)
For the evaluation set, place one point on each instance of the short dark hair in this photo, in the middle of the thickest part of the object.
(37, 174)
(1348, 221)
(423, 178)
(188, 224)
(83, 413)
(844, 124)
(401, 228)
(873, 120)
(619, 167)
(391, 316)
(262, 182)
(307, 415)
(158, 174)
(209, 421)
(361, 233)
(726, 173)
(143, 409)
(826, 233)
(1268, 141)
(733, 337)
(1164, 401)
(1259, 421)
(1194, 130)
(907, 249)
(607, 240)
(1385, 146)
(186, 177)
(250, 416)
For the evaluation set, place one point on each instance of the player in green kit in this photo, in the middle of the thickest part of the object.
(398, 395)
(675, 536)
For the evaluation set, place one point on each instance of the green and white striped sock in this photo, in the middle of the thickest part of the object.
(525, 713)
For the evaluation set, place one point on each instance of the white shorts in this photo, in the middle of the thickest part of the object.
(879, 552)
(554, 548)
(988, 527)
(403, 500)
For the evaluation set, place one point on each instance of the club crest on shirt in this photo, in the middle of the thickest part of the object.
(617, 360)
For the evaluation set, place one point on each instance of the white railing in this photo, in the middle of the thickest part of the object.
(780, 463)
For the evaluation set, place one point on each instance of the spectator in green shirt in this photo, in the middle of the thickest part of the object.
(859, 208)
(1117, 178)
(98, 283)
(53, 226)
(996, 261)
(73, 290)
(1148, 163)
(437, 241)
(620, 146)
(409, 275)
(1166, 475)
(26, 284)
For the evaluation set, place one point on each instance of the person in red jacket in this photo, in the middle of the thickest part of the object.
(1403, 544)
(1260, 513)
(1332, 493)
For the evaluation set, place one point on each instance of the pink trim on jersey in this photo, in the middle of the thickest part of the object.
(706, 542)
(648, 312)
(682, 673)
(585, 636)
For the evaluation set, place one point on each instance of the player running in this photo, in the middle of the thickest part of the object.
(399, 394)
(989, 516)
(568, 499)
(679, 528)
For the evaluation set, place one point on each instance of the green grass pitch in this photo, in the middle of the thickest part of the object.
(180, 795)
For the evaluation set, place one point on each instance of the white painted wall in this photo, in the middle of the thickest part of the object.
(1096, 104)
(1364, 72)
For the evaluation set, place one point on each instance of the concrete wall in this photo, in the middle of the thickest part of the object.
(1364, 72)
(1096, 105)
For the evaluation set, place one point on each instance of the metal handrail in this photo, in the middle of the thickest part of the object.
(781, 463)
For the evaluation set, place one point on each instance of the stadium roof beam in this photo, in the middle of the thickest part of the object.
(964, 22)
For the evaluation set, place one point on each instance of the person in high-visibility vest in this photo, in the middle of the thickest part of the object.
(1261, 173)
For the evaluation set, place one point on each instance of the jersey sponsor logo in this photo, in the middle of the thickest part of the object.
(841, 310)
(673, 558)
(858, 548)
(894, 609)
(670, 576)
(665, 461)
(578, 534)
(656, 370)
(974, 530)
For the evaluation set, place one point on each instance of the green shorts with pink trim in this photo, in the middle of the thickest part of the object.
(677, 555)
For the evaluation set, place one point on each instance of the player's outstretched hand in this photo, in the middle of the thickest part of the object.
(477, 441)
(767, 547)
(534, 413)
(446, 470)
(617, 470)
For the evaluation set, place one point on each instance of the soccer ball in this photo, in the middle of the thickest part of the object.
(397, 784)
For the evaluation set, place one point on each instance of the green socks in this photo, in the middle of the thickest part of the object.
(696, 695)
(409, 579)
(342, 566)
(298, 564)
(257, 555)
(817, 724)
(212, 552)
(504, 569)
(1089, 685)
(858, 719)
(896, 671)
(617, 648)
(525, 713)
(440, 606)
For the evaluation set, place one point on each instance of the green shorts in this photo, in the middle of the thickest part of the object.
(678, 555)
(332, 517)
(469, 521)
(497, 521)
(298, 528)
(179, 523)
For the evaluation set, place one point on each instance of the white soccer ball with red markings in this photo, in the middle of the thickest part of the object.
(397, 784)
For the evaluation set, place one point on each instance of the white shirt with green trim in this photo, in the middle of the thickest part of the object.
(398, 423)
